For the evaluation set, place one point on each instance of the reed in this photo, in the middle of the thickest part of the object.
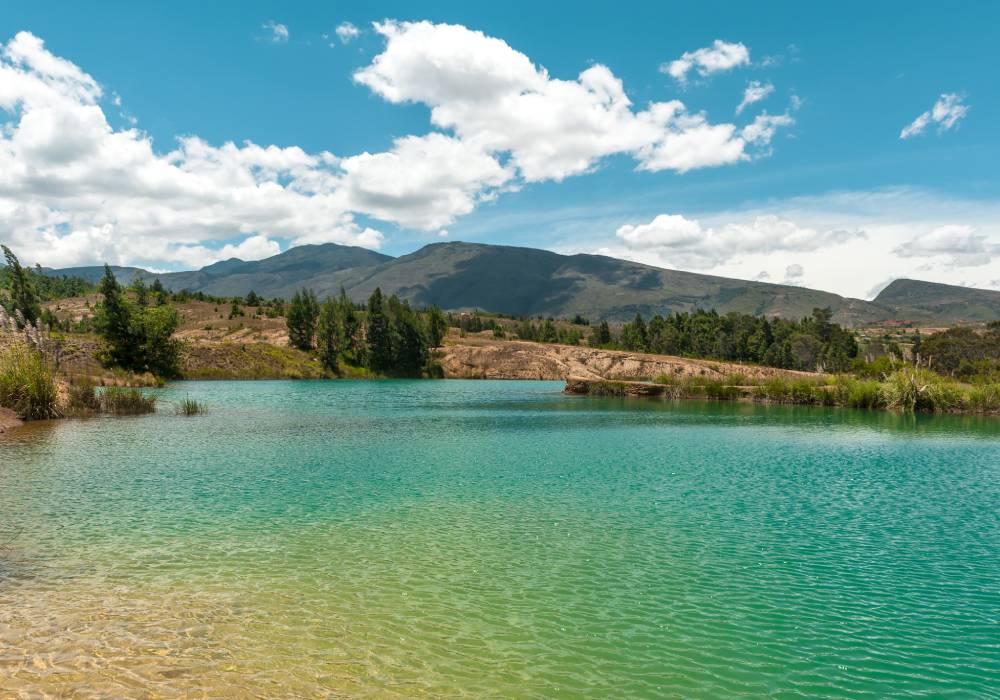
(123, 401)
(27, 385)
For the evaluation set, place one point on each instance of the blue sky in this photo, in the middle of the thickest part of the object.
(830, 196)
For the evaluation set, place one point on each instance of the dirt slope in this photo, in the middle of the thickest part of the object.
(498, 359)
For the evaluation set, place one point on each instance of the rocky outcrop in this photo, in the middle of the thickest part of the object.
(513, 359)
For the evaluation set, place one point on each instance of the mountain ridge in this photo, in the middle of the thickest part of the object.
(523, 281)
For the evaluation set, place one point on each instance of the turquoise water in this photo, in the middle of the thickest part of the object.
(402, 539)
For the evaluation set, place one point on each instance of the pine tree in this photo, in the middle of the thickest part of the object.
(301, 320)
(378, 335)
(409, 346)
(437, 327)
(328, 336)
(22, 293)
(350, 325)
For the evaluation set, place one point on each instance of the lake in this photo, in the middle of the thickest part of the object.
(477, 538)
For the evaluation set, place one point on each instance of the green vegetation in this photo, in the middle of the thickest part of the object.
(27, 384)
(814, 343)
(137, 338)
(303, 312)
(965, 353)
(190, 407)
(126, 401)
(83, 399)
(22, 300)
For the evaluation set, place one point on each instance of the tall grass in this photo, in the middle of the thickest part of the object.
(27, 385)
(122, 401)
(914, 389)
(190, 407)
(82, 399)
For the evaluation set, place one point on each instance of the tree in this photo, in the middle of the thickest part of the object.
(378, 334)
(350, 324)
(601, 335)
(22, 293)
(252, 299)
(301, 320)
(409, 345)
(328, 336)
(437, 327)
(138, 339)
(141, 291)
(549, 334)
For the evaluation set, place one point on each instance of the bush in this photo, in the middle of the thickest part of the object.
(122, 401)
(26, 383)
(914, 389)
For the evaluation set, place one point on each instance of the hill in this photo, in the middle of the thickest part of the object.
(532, 282)
(941, 300)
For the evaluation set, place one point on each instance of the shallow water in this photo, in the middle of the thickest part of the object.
(401, 539)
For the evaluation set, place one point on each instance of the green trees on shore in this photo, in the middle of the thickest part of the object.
(385, 336)
(137, 337)
(814, 342)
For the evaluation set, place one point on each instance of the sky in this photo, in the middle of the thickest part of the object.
(835, 146)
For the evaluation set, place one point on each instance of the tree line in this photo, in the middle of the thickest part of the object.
(385, 335)
(812, 343)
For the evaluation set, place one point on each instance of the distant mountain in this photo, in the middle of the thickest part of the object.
(941, 300)
(531, 282)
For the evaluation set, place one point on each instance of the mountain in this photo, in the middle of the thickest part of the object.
(531, 282)
(942, 300)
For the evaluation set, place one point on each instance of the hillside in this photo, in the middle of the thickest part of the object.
(942, 300)
(531, 282)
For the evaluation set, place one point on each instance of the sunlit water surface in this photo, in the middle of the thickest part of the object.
(402, 539)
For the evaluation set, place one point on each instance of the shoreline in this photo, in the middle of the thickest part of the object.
(579, 386)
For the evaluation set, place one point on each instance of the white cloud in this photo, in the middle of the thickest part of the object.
(279, 32)
(74, 189)
(346, 32)
(417, 183)
(958, 244)
(720, 56)
(847, 242)
(794, 274)
(492, 96)
(755, 92)
(687, 243)
(946, 113)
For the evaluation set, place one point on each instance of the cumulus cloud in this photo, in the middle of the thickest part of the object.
(74, 189)
(755, 92)
(279, 32)
(687, 243)
(720, 56)
(794, 274)
(346, 32)
(493, 96)
(946, 113)
(959, 245)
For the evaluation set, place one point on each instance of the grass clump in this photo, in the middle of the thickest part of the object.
(190, 407)
(123, 401)
(82, 398)
(985, 398)
(607, 388)
(914, 389)
(27, 385)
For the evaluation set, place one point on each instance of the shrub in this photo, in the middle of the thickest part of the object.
(26, 383)
(914, 389)
(122, 401)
